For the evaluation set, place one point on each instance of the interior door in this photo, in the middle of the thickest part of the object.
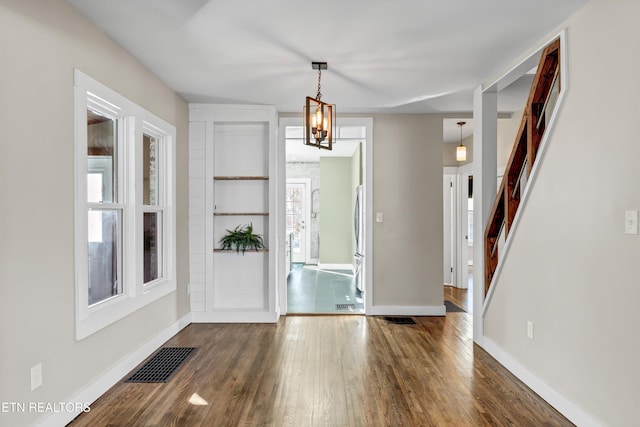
(465, 236)
(297, 219)
(449, 227)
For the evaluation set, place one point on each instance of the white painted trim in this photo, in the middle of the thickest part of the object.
(97, 388)
(209, 198)
(335, 267)
(230, 113)
(235, 316)
(451, 243)
(282, 270)
(367, 173)
(463, 223)
(567, 408)
(274, 215)
(485, 114)
(542, 149)
(449, 170)
(407, 310)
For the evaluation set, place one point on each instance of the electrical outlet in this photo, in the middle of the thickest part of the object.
(529, 329)
(36, 376)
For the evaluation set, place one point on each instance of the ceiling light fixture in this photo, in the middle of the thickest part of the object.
(461, 150)
(319, 118)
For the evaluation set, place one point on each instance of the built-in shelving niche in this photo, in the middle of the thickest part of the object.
(238, 189)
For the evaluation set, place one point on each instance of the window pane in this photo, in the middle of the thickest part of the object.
(102, 139)
(104, 259)
(296, 248)
(95, 186)
(150, 170)
(152, 248)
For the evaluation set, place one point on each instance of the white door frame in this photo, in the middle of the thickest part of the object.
(450, 243)
(367, 172)
(307, 216)
(463, 185)
(460, 278)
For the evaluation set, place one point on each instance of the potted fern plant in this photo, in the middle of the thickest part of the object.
(241, 239)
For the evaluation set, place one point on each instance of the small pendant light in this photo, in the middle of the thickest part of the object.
(461, 150)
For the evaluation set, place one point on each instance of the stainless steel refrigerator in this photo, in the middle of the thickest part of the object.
(358, 226)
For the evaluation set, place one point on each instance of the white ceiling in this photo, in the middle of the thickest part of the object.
(400, 56)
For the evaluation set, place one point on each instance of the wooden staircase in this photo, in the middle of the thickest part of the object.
(537, 112)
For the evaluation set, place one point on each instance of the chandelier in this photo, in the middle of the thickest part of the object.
(319, 118)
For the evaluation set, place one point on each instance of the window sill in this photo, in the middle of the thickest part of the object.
(104, 314)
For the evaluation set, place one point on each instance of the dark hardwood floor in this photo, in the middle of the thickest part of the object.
(329, 371)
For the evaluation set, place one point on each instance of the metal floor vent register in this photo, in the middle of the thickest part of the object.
(161, 366)
(345, 306)
(400, 320)
(452, 308)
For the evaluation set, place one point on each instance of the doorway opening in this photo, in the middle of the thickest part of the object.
(325, 223)
(458, 237)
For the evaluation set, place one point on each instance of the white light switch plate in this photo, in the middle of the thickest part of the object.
(379, 217)
(631, 222)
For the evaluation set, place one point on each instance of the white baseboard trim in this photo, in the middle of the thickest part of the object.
(335, 267)
(235, 317)
(115, 374)
(406, 310)
(567, 408)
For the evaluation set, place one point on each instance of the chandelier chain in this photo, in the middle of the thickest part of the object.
(319, 95)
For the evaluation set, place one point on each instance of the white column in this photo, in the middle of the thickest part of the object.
(485, 165)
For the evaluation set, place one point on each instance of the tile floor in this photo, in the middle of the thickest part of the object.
(310, 290)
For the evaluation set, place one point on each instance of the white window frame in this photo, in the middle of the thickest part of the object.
(133, 121)
(165, 193)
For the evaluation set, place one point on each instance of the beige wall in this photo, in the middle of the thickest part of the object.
(407, 189)
(42, 42)
(335, 210)
(571, 269)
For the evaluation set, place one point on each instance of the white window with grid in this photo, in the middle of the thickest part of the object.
(125, 206)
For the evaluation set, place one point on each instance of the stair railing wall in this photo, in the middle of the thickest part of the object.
(537, 113)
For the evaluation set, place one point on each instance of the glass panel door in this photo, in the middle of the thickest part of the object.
(295, 215)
